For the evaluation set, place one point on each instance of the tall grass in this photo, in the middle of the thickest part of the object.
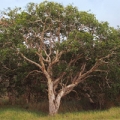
(13, 113)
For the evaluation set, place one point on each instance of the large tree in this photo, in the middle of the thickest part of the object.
(64, 41)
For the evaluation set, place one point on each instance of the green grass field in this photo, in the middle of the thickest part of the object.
(10, 113)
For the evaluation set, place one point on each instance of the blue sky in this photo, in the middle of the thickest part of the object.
(105, 10)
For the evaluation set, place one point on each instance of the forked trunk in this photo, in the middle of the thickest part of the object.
(54, 101)
(52, 108)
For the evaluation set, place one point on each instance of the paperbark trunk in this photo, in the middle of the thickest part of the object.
(54, 101)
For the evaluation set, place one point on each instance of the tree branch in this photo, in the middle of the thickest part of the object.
(27, 59)
(31, 73)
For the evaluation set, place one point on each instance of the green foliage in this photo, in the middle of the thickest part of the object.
(88, 19)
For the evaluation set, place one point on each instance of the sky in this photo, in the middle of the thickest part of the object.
(105, 10)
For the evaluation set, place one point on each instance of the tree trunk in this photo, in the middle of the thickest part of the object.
(54, 101)
(52, 107)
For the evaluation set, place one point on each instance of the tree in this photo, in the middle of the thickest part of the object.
(63, 40)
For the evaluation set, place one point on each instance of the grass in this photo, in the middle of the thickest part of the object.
(15, 113)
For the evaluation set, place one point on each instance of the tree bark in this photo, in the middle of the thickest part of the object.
(54, 101)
